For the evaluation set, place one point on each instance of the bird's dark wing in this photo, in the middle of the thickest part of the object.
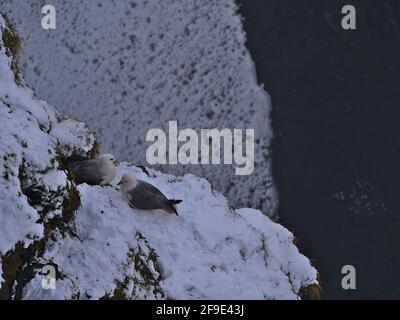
(87, 171)
(147, 197)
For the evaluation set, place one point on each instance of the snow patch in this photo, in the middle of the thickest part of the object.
(105, 249)
(209, 252)
(126, 67)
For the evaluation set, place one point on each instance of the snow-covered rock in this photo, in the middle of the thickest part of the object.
(102, 248)
(129, 66)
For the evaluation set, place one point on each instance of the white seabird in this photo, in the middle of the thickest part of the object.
(100, 171)
(142, 195)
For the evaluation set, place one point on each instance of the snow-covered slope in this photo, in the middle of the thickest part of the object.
(128, 66)
(104, 249)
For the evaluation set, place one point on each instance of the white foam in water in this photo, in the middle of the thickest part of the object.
(127, 67)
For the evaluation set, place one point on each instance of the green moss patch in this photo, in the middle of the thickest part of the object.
(13, 44)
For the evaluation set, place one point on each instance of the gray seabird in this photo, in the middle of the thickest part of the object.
(142, 195)
(100, 171)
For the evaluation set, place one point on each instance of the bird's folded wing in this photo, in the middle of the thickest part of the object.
(87, 171)
(145, 200)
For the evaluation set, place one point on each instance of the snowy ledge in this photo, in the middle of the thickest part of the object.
(101, 248)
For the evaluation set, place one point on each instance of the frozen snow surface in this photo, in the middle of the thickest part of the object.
(209, 252)
(101, 247)
(127, 66)
(28, 153)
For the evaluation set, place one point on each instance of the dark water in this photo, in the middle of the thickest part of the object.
(336, 100)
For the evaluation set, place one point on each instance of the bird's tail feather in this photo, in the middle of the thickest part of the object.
(173, 202)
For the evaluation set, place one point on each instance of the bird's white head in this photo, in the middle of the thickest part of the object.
(108, 167)
(108, 160)
(128, 182)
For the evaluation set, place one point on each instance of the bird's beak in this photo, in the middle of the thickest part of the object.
(119, 183)
(116, 163)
